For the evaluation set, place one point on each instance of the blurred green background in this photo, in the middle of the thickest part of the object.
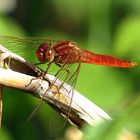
(102, 26)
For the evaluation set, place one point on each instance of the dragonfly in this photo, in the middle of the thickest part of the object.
(64, 54)
(67, 52)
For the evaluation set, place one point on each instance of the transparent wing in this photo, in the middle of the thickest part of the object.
(24, 46)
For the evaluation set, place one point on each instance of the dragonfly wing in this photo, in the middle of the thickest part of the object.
(24, 46)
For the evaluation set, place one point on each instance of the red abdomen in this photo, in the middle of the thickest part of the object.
(99, 59)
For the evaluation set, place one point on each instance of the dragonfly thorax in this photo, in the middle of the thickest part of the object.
(45, 53)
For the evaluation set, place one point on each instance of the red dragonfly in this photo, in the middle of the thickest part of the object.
(67, 52)
(63, 53)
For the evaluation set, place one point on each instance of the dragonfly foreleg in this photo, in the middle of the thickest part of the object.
(62, 68)
(42, 76)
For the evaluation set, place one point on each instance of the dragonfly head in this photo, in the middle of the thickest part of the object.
(45, 53)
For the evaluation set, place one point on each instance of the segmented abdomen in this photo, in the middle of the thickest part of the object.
(99, 59)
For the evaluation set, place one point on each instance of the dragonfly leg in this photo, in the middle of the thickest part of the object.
(40, 77)
(67, 75)
(38, 64)
(43, 76)
(75, 75)
(62, 68)
(46, 71)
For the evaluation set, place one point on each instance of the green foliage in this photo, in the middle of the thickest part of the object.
(107, 27)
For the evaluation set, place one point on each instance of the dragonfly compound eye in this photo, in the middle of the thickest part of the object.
(41, 52)
(49, 55)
